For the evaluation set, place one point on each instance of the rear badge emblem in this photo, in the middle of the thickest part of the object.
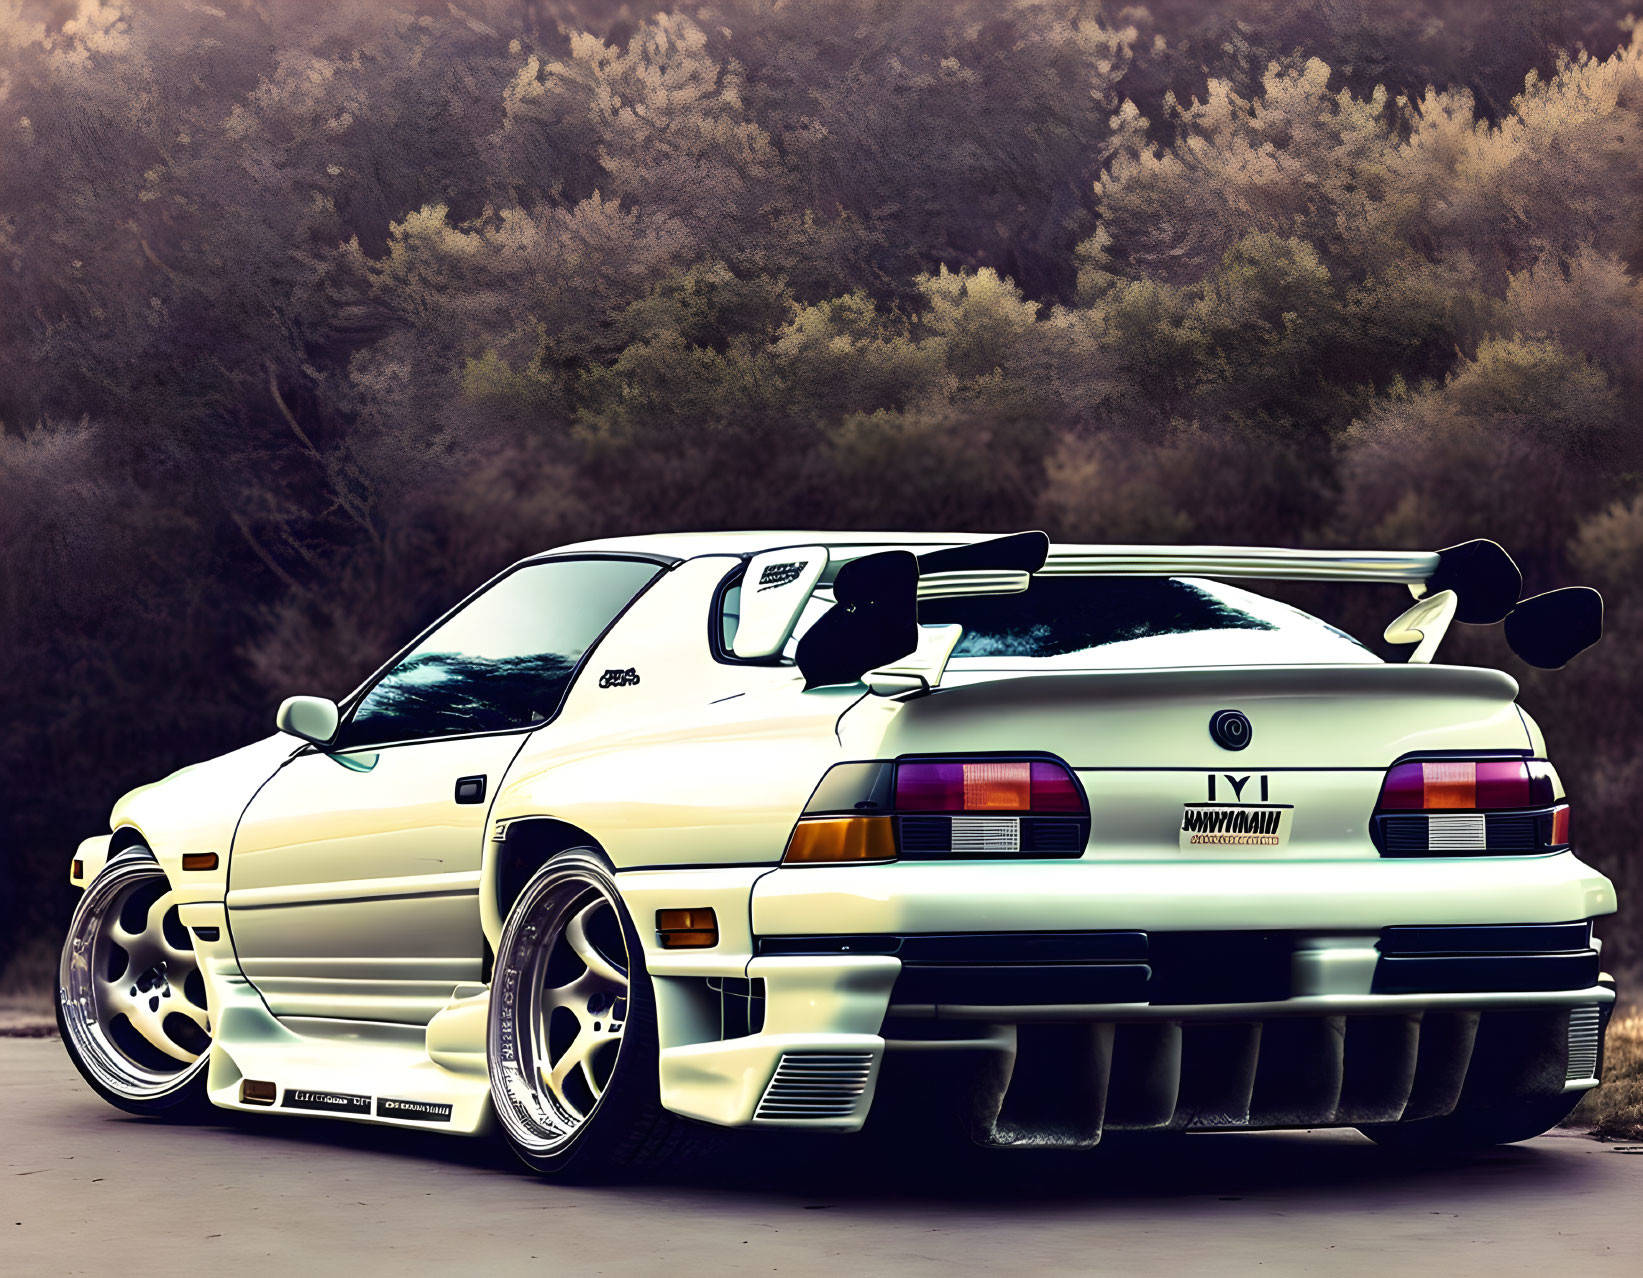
(1235, 825)
(1230, 729)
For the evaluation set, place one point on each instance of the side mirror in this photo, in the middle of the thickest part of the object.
(311, 718)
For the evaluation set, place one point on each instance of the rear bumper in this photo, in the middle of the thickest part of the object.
(1082, 996)
(1044, 975)
(1171, 895)
(1305, 1064)
(1040, 1073)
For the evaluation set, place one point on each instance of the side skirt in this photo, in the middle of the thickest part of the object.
(429, 1077)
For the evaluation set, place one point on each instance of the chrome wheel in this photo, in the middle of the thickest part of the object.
(129, 986)
(560, 1007)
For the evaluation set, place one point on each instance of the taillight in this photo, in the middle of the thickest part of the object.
(941, 808)
(1468, 784)
(986, 785)
(1442, 807)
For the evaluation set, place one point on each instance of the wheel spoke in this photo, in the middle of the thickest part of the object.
(579, 1056)
(133, 943)
(587, 989)
(151, 1025)
(115, 997)
(149, 946)
(193, 1011)
(571, 995)
(576, 935)
(561, 1071)
(599, 1041)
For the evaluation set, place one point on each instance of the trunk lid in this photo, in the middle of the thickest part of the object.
(1321, 738)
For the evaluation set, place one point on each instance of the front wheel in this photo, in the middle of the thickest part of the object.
(1453, 1133)
(131, 1000)
(572, 1043)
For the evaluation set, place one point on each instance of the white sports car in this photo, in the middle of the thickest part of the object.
(654, 834)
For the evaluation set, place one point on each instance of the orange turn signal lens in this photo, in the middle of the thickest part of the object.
(199, 860)
(77, 869)
(687, 929)
(257, 1092)
(841, 839)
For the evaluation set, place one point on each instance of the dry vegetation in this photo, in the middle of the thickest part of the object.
(1615, 1110)
(314, 314)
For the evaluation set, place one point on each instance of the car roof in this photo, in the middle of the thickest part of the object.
(690, 545)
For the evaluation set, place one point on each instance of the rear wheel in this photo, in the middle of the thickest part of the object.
(130, 996)
(572, 1044)
(1502, 1125)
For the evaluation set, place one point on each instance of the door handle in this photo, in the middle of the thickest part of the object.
(470, 789)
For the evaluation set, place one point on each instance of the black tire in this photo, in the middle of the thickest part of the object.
(116, 1060)
(625, 1129)
(1456, 1133)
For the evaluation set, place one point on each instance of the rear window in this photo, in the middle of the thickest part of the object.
(1138, 622)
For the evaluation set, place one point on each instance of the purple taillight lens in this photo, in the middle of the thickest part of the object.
(930, 787)
(1054, 789)
(1503, 783)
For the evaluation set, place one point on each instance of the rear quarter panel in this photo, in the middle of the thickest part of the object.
(698, 763)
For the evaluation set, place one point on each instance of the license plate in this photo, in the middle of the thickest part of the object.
(1235, 825)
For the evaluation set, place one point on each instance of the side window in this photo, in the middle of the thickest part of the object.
(730, 616)
(505, 660)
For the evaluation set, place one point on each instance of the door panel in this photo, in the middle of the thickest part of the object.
(355, 893)
(354, 876)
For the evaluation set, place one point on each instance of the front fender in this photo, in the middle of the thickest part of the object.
(194, 810)
(89, 859)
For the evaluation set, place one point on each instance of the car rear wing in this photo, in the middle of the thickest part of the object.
(1424, 624)
(1409, 567)
(872, 629)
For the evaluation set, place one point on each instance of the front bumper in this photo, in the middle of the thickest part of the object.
(1148, 995)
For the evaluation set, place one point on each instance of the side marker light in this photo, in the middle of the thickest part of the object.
(696, 929)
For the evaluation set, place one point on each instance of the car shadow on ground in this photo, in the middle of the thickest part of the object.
(863, 1170)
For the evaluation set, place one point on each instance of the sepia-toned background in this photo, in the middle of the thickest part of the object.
(314, 313)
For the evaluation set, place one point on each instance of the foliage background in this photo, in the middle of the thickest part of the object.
(313, 314)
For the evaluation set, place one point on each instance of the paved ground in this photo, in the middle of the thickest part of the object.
(89, 1190)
